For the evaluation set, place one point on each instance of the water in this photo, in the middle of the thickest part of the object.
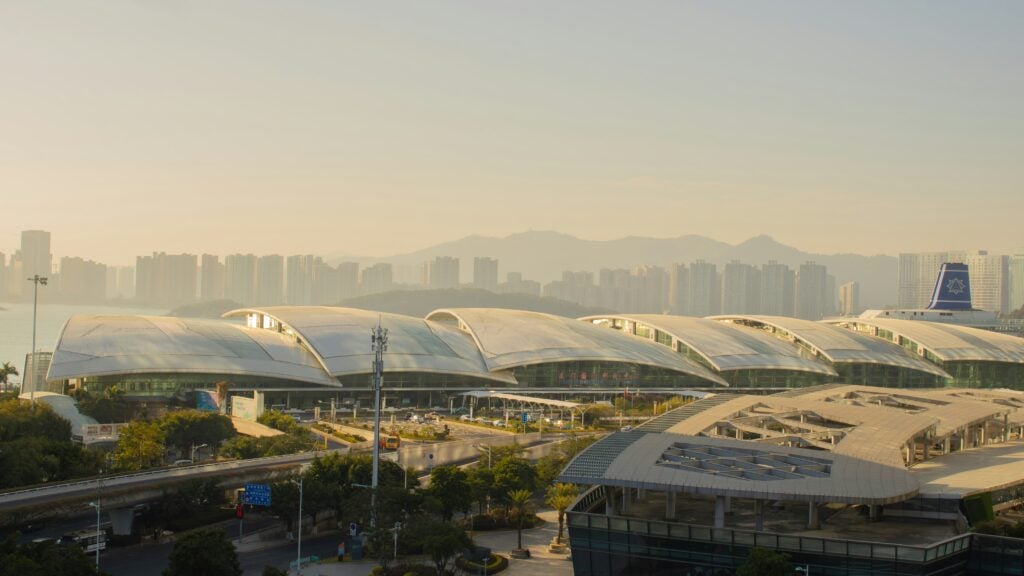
(16, 326)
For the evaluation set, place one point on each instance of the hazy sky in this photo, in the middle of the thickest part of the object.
(373, 128)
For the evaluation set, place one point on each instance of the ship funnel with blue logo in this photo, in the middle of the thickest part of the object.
(952, 289)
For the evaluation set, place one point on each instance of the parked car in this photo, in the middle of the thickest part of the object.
(466, 418)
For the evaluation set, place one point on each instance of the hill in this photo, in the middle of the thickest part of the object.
(419, 303)
(543, 255)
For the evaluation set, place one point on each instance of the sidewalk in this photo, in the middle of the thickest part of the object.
(541, 562)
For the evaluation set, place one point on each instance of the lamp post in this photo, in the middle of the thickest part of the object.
(96, 505)
(398, 526)
(194, 448)
(36, 280)
(298, 553)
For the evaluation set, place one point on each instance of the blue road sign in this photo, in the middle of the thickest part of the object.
(257, 494)
(526, 417)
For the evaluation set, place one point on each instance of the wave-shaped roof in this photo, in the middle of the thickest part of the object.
(511, 338)
(108, 345)
(340, 340)
(948, 342)
(727, 346)
(838, 345)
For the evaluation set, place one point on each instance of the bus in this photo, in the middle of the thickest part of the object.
(89, 540)
(390, 443)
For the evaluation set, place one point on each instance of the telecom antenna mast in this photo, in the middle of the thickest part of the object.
(379, 343)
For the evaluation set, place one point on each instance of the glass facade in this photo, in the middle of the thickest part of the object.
(610, 375)
(886, 376)
(986, 374)
(605, 545)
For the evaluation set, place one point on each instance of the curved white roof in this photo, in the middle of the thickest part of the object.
(511, 338)
(109, 345)
(839, 345)
(727, 346)
(340, 340)
(949, 342)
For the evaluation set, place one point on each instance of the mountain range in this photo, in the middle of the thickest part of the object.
(543, 255)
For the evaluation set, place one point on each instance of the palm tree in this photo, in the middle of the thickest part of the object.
(6, 370)
(520, 501)
(560, 497)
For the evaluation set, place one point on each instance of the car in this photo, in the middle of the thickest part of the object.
(466, 418)
(498, 423)
(626, 428)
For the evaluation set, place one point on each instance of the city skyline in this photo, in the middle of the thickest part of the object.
(335, 128)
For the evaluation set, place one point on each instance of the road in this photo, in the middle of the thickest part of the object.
(254, 555)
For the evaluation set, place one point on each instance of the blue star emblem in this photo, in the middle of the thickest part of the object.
(955, 286)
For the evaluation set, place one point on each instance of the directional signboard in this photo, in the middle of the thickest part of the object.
(257, 494)
(526, 417)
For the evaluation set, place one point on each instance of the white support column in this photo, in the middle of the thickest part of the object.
(874, 511)
(670, 506)
(625, 500)
(609, 501)
(719, 511)
(812, 516)
(759, 515)
(640, 494)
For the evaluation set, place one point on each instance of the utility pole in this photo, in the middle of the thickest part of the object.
(37, 280)
(379, 343)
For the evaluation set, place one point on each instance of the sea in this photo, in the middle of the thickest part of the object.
(16, 327)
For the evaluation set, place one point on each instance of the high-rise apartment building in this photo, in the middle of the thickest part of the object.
(778, 289)
(376, 278)
(1016, 277)
(705, 293)
(82, 280)
(741, 289)
(299, 280)
(652, 289)
(917, 274)
(678, 289)
(3, 276)
(326, 283)
(443, 272)
(125, 282)
(240, 278)
(990, 285)
(270, 280)
(348, 280)
(166, 279)
(211, 279)
(811, 291)
(514, 284)
(35, 253)
(485, 273)
(849, 299)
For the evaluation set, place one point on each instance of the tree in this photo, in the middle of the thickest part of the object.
(481, 485)
(444, 542)
(186, 428)
(449, 486)
(764, 562)
(43, 559)
(520, 501)
(560, 497)
(279, 421)
(6, 370)
(203, 553)
(273, 571)
(512, 474)
(140, 446)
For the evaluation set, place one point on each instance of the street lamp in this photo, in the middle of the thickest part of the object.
(36, 280)
(398, 526)
(298, 554)
(96, 505)
(194, 448)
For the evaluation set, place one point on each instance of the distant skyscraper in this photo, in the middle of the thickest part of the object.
(917, 273)
(741, 289)
(990, 285)
(35, 253)
(3, 275)
(831, 296)
(82, 280)
(240, 278)
(443, 272)
(377, 278)
(849, 299)
(679, 290)
(126, 282)
(652, 289)
(211, 283)
(778, 289)
(348, 280)
(299, 276)
(704, 289)
(166, 279)
(485, 273)
(811, 291)
(1016, 277)
(326, 283)
(514, 284)
(270, 280)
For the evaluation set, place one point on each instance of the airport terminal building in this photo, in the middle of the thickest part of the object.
(296, 355)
